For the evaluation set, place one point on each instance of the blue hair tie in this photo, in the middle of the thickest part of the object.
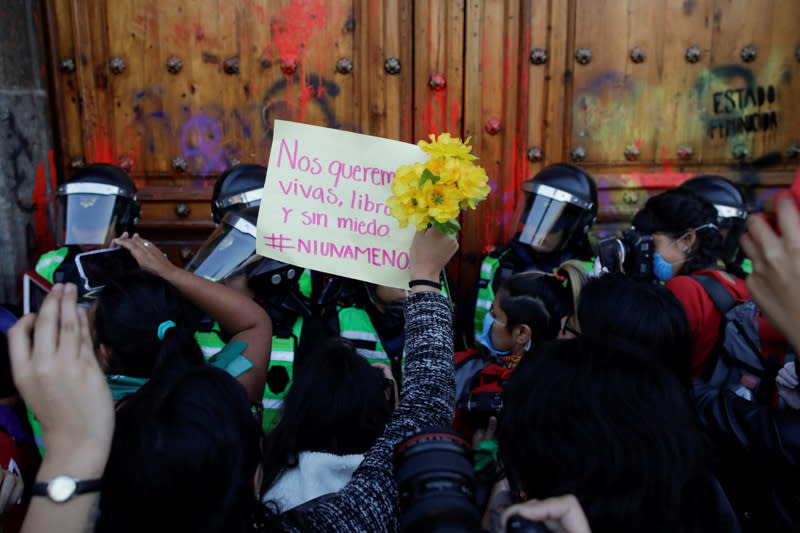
(163, 327)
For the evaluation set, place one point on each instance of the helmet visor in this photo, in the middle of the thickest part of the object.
(89, 218)
(549, 219)
(229, 248)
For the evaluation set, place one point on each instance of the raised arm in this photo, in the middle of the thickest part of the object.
(774, 283)
(237, 314)
(55, 370)
(369, 502)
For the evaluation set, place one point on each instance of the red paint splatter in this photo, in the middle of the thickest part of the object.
(657, 180)
(295, 25)
(262, 17)
(434, 116)
(100, 148)
(455, 117)
(181, 35)
(45, 233)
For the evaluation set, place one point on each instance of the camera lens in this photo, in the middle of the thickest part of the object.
(436, 482)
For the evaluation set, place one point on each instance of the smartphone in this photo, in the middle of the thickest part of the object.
(98, 267)
(34, 290)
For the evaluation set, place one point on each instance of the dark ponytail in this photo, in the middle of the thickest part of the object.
(129, 313)
(541, 300)
(676, 211)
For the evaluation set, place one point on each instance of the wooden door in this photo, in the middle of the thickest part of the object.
(642, 94)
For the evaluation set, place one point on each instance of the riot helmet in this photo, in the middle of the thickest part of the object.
(730, 205)
(238, 187)
(560, 206)
(96, 205)
(229, 256)
(231, 250)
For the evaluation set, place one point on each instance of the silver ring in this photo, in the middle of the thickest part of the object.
(146, 243)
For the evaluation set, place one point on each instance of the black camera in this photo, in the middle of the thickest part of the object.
(475, 410)
(436, 485)
(631, 253)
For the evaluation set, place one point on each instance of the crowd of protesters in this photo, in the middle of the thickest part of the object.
(643, 383)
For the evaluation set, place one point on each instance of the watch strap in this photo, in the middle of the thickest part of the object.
(82, 486)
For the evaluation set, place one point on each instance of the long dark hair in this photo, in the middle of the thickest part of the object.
(184, 457)
(127, 319)
(646, 314)
(611, 425)
(541, 300)
(337, 404)
(677, 211)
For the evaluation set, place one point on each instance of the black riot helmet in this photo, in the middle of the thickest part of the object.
(97, 204)
(560, 206)
(230, 252)
(730, 205)
(236, 188)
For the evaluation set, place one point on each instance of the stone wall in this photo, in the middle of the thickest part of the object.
(25, 145)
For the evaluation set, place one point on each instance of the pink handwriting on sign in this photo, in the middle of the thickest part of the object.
(289, 153)
(378, 257)
(278, 242)
(357, 173)
(304, 163)
(310, 192)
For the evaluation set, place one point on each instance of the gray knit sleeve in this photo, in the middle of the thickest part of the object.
(369, 501)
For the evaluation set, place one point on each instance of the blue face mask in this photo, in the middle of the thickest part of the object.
(486, 336)
(661, 269)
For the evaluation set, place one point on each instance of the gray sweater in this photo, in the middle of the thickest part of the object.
(369, 501)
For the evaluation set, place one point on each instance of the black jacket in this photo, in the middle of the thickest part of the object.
(759, 457)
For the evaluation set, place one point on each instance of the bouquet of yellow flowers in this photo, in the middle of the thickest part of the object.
(433, 193)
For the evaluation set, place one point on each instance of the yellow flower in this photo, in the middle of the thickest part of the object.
(474, 183)
(408, 208)
(443, 201)
(436, 166)
(446, 146)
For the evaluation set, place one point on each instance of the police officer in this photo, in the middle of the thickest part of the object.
(236, 188)
(560, 206)
(370, 316)
(229, 256)
(731, 217)
(96, 205)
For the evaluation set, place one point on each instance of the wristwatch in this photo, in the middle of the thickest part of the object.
(62, 488)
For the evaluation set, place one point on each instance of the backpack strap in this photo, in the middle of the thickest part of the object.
(724, 302)
(717, 292)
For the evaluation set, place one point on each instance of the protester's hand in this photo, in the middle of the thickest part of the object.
(482, 435)
(430, 252)
(563, 514)
(56, 372)
(787, 385)
(11, 487)
(147, 254)
(774, 283)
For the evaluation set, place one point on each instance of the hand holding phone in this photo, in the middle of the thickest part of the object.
(98, 267)
(146, 254)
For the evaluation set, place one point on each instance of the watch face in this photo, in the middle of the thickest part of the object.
(61, 488)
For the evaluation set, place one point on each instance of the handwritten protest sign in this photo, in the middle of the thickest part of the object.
(324, 203)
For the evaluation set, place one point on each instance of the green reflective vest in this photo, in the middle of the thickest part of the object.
(485, 292)
(282, 355)
(210, 342)
(355, 325)
(48, 263)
